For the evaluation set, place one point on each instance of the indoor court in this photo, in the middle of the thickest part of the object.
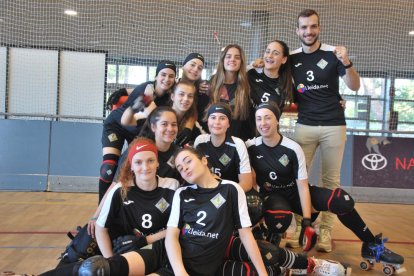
(60, 62)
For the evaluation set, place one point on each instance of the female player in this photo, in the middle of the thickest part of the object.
(273, 80)
(227, 155)
(203, 218)
(182, 102)
(114, 134)
(280, 169)
(161, 127)
(231, 86)
(135, 211)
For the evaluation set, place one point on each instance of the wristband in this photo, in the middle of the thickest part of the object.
(349, 65)
(93, 218)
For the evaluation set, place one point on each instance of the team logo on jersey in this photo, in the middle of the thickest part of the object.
(188, 230)
(298, 64)
(259, 156)
(218, 200)
(112, 137)
(259, 80)
(224, 159)
(284, 160)
(301, 88)
(277, 91)
(162, 205)
(170, 162)
(322, 64)
(128, 202)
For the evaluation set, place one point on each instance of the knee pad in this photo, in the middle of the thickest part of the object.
(254, 206)
(269, 252)
(108, 168)
(340, 202)
(94, 266)
(277, 213)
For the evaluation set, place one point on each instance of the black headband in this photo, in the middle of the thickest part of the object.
(165, 64)
(216, 108)
(193, 56)
(271, 107)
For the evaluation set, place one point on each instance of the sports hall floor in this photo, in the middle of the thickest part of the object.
(34, 225)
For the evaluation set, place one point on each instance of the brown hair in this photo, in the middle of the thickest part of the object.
(308, 13)
(191, 113)
(242, 93)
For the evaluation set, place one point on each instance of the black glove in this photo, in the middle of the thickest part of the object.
(128, 243)
(183, 137)
(307, 237)
(114, 98)
(140, 103)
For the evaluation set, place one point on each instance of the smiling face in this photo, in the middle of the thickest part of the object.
(308, 30)
(183, 97)
(192, 69)
(144, 164)
(273, 56)
(165, 129)
(218, 123)
(191, 167)
(165, 79)
(266, 122)
(232, 60)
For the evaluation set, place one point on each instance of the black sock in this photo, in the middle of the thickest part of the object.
(354, 222)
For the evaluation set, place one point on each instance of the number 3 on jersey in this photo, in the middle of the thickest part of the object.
(310, 77)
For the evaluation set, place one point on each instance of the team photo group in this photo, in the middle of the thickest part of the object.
(208, 184)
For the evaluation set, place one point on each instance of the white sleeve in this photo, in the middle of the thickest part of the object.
(103, 215)
(243, 210)
(244, 166)
(302, 172)
(175, 210)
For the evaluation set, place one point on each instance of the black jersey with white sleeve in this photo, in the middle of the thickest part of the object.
(206, 219)
(277, 167)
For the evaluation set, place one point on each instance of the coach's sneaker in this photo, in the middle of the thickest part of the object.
(377, 251)
(324, 243)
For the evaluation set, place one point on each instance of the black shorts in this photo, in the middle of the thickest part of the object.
(319, 198)
(154, 256)
(114, 136)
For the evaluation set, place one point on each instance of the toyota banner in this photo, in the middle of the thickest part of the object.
(386, 162)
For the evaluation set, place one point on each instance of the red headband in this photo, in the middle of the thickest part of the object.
(141, 146)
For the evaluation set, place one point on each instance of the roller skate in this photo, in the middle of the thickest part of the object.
(376, 252)
(321, 267)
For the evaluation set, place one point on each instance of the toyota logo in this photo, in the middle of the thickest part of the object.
(374, 162)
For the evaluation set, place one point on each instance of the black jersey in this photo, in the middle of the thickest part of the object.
(166, 161)
(207, 219)
(115, 116)
(277, 167)
(264, 89)
(316, 77)
(147, 211)
(243, 129)
(227, 160)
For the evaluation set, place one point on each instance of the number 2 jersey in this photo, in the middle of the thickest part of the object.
(228, 160)
(207, 219)
(147, 211)
(316, 78)
(277, 167)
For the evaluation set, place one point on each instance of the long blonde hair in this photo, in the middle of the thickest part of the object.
(242, 94)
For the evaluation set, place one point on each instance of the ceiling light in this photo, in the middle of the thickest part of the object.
(411, 33)
(71, 12)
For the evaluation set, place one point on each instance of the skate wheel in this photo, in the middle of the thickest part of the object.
(365, 265)
(388, 270)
